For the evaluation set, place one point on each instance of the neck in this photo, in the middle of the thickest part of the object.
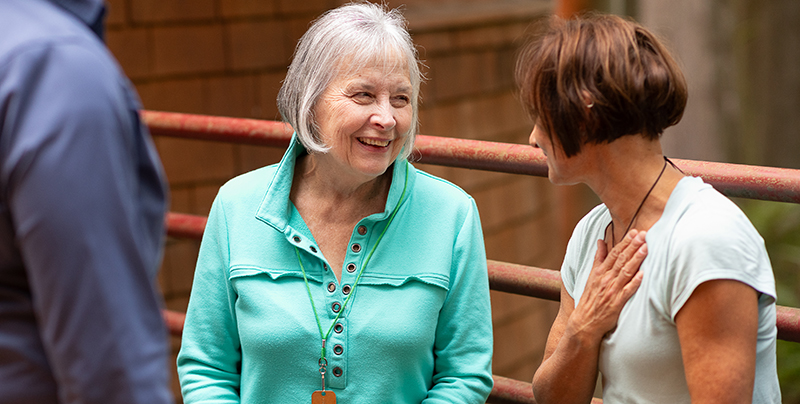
(626, 170)
(339, 192)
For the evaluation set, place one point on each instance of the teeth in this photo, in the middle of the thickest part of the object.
(374, 142)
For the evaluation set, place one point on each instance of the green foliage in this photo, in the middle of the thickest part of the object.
(779, 225)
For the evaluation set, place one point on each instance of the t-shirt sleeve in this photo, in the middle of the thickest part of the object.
(712, 245)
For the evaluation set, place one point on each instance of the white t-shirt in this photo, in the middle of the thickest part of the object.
(701, 236)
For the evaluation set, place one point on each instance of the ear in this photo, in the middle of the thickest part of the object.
(587, 99)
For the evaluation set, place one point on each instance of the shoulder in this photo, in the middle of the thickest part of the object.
(712, 239)
(252, 184)
(37, 27)
(707, 219)
(59, 66)
(429, 184)
(432, 191)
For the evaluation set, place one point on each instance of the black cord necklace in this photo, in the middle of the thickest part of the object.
(613, 239)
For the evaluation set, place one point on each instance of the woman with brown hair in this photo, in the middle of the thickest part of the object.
(696, 322)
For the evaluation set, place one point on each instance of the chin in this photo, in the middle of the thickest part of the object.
(556, 180)
(374, 172)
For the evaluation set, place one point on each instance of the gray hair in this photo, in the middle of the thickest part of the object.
(361, 34)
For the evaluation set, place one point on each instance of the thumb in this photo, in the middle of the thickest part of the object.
(601, 254)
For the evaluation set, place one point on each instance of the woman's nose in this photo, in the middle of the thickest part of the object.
(383, 116)
(532, 140)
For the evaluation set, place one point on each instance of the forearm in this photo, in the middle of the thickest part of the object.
(464, 341)
(569, 374)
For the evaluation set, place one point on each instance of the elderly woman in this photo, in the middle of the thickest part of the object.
(342, 271)
(696, 323)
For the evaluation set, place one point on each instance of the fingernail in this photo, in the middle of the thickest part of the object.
(641, 235)
(643, 249)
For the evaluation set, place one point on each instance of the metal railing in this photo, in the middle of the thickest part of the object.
(735, 180)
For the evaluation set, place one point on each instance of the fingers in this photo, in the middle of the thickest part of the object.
(616, 272)
(630, 277)
(613, 261)
(633, 251)
(615, 277)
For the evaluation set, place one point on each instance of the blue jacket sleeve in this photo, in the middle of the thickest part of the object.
(209, 363)
(85, 196)
(463, 346)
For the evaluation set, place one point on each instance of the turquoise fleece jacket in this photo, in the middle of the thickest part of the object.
(417, 329)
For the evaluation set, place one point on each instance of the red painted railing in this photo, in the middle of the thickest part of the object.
(754, 182)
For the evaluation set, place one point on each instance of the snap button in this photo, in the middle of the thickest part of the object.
(345, 289)
(338, 349)
(331, 287)
(337, 371)
(336, 307)
(313, 249)
(351, 267)
(338, 328)
(362, 230)
(356, 247)
(296, 239)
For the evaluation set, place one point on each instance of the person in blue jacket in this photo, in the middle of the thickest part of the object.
(82, 204)
(342, 272)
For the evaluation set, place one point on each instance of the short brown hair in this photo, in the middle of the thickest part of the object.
(632, 83)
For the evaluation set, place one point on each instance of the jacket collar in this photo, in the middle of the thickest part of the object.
(91, 12)
(276, 208)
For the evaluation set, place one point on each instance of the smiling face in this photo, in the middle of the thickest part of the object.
(363, 118)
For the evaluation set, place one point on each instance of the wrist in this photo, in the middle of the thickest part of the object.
(582, 335)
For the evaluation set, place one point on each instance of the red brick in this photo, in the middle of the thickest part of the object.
(453, 76)
(180, 258)
(116, 13)
(132, 49)
(192, 161)
(521, 338)
(188, 49)
(230, 96)
(492, 37)
(256, 45)
(431, 43)
(173, 95)
(204, 197)
(269, 84)
(148, 11)
(178, 303)
(247, 8)
(181, 200)
(253, 157)
(306, 6)
(295, 28)
(506, 202)
(440, 120)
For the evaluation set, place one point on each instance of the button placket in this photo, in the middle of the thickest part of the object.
(337, 355)
(338, 293)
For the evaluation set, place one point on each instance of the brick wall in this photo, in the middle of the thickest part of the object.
(228, 57)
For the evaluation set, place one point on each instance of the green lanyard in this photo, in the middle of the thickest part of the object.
(323, 363)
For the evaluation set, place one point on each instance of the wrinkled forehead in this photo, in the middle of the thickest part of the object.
(388, 61)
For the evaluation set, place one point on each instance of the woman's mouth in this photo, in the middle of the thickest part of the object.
(374, 142)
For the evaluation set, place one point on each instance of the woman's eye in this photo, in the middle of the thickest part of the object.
(362, 96)
(400, 101)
